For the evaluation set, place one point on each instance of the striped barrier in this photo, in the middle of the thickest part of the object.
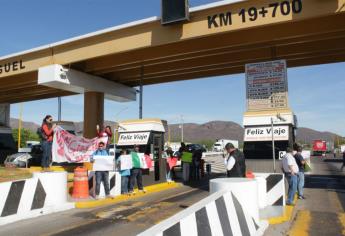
(219, 214)
(114, 184)
(44, 193)
(275, 188)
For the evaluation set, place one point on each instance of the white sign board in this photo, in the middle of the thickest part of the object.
(126, 162)
(103, 163)
(281, 154)
(140, 138)
(266, 85)
(264, 133)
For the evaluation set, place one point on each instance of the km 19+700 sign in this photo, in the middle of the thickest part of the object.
(266, 84)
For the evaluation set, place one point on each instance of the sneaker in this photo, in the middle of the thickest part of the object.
(131, 192)
(97, 197)
(108, 196)
(290, 204)
(301, 197)
(142, 191)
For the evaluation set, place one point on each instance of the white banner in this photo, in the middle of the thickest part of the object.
(70, 148)
(264, 133)
(103, 163)
(140, 138)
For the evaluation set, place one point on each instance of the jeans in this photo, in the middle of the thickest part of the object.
(47, 153)
(102, 176)
(185, 171)
(124, 184)
(196, 171)
(136, 174)
(300, 184)
(292, 180)
(168, 173)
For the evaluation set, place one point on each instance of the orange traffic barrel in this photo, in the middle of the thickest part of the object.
(80, 184)
(250, 175)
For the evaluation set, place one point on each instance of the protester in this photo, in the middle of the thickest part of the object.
(235, 162)
(102, 176)
(125, 174)
(136, 172)
(105, 133)
(186, 158)
(301, 168)
(342, 167)
(171, 163)
(196, 160)
(290, 169)
(47, 132)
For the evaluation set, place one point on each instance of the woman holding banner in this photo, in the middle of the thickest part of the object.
(46, 132)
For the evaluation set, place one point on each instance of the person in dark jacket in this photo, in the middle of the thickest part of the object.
(300, 181)
(234, 161)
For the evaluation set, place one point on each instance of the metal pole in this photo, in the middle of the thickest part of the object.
(20, 124)
(141, 93)
(273, 148)
(59, 108)
(182, 128)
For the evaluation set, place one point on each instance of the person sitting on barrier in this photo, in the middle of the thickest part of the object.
(290, 169)
(235, 162)
(136, 172)
(124, 174)
(300, 181)
(46, 132)
(105, 133)
(101, 176)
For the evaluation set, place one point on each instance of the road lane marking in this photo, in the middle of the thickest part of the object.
(341, 217)
(301, 224)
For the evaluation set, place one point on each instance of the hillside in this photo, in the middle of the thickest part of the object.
(209, 131)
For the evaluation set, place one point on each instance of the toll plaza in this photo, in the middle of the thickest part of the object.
(216, 39)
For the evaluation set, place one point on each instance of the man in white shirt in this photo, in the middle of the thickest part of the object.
(290, 169)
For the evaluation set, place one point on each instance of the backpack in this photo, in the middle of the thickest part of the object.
(41, 134)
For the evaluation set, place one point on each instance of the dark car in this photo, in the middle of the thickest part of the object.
(194, 147)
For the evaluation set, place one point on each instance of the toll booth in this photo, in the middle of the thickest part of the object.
(148, 134)
(258, 135)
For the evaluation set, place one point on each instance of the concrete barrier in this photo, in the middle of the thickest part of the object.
(275, 189)
(245, 189)
(42, 194)
(221, 213)
(114, 184)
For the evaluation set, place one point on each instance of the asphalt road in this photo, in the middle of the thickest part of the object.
(322, 212)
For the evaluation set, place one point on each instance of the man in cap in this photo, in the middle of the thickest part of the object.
(235, 162)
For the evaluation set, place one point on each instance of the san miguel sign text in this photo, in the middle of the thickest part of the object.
(11, 66)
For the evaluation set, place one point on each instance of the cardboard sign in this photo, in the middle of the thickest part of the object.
(126, 162)
(103, 163)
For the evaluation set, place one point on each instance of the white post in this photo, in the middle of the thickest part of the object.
(273, 148)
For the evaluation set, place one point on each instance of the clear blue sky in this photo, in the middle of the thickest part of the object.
(316, 93)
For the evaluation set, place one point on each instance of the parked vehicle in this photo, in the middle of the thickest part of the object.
(319, 147)
(342, 148)
(219, 145)
(26, 157)
(7, 143)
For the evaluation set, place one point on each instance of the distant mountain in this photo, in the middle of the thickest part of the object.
(25, 124)
(209, 131)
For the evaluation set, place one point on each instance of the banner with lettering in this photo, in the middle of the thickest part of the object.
(128, 139)
(74, 149)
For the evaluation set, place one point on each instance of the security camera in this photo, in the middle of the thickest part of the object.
(63, 70)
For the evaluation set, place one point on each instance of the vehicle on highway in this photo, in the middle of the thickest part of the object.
(194, 147)
(319, 147)
(7, 143)
(219, 145)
